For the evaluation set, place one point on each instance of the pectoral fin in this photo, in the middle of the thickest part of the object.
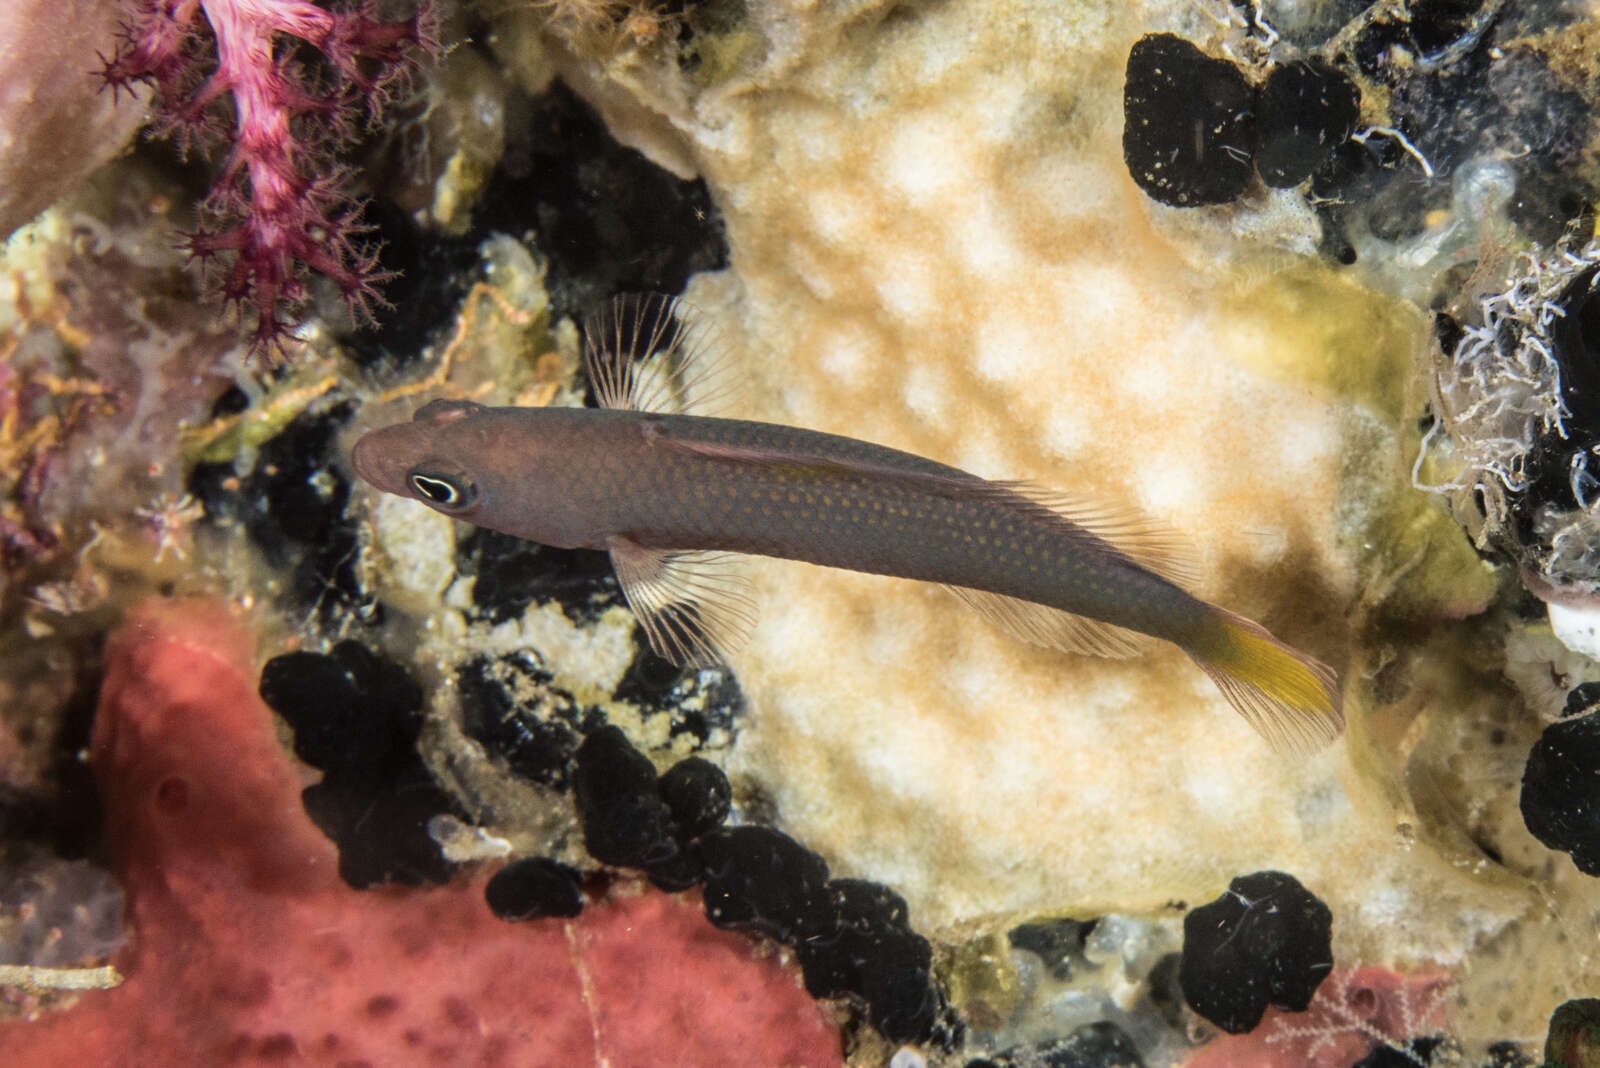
(694, 607)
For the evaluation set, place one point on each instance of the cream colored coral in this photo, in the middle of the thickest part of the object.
(935, 245)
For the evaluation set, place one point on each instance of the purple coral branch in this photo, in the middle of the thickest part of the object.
(282, 209)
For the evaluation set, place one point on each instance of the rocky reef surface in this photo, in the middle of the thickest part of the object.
(1312, 284)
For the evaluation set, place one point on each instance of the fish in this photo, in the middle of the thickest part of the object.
(676, 495)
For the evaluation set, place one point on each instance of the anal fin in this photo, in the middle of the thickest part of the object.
(1052, 628)
(694, 607)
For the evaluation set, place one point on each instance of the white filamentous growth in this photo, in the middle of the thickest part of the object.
(1497, 394)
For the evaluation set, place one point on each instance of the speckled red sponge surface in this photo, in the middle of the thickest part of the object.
(249, 949)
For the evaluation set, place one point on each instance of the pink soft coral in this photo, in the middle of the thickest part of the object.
(280, 208)
(1355, 1011)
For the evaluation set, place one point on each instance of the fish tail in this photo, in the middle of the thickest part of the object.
(1291, 699)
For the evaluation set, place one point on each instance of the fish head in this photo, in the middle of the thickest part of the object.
(436, 458)
(514, 470)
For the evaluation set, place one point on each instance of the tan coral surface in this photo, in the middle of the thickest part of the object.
(935, 245)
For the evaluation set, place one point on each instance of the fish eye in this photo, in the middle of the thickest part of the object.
(450, 493)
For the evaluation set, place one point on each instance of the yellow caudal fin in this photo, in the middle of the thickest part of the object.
(1292, 700)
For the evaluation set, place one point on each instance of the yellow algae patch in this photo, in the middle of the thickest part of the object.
(1353, 344)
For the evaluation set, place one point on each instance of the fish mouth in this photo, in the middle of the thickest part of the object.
(377, 464)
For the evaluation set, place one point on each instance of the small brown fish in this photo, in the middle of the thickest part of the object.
(670, 494)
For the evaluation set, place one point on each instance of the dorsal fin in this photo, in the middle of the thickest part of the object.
(648, 352)
(1146, 541)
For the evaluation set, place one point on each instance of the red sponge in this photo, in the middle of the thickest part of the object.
(248, 948)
